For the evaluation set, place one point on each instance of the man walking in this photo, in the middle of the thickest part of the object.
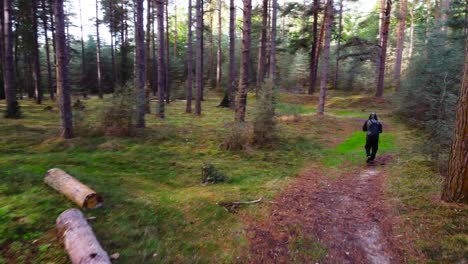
(373, 128)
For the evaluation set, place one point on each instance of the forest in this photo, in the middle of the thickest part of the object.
(216, 131)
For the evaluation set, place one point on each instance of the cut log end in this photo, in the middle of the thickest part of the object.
(72, 188)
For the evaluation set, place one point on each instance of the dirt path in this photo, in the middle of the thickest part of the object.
(349, 216)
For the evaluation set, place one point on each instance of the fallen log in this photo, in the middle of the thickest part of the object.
(72, 188)
(79, 240)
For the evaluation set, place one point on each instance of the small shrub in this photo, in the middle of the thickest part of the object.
(118, 118)
(238, 137)
(264, 125)
(211, 175)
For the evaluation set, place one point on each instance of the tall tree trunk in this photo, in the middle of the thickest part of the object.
(445, 14)
(313, 52)
(273, 42)
(2, 49)
(36, 66)
(168, 61)
(326, 57)
(98, 52)
(63, 85)
(219, 72)
(400, 40)
(112, 49)
(83, 59)
(232, 57)
(211, 78)
(381, 20)
(9, 82)
(154, 68)
(262, 48)
(47, 50)
(456, 182)
(428, 19)
(338, 46)
(244, 69)
(148, 57)
(383, 50)
(140, 64)
(199, 58)
(188, 108)
(123, 47)
(161, 58)
(411, 44)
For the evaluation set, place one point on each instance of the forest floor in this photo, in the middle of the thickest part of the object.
(319, 202)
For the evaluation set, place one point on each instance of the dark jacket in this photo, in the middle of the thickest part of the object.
(372, 126)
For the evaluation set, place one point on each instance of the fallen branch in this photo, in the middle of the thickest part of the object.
(72, 188)
(250, 202)
(79, 240)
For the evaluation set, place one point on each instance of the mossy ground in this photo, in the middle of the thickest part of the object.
(155, 207)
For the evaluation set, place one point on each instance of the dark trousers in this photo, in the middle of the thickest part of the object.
(372, 143)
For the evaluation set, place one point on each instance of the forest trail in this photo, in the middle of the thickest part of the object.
(325, 220)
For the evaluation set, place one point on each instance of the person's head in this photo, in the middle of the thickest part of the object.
(373, 116)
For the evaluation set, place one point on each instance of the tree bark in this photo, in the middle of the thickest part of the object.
(381, 20)
(326, 57)
(211, 78)
(403, 12)
(313, 52)
(338, 47)
(83, 59)
(9, 81)
(72, 188)
(148, 57)
(98, 53)
(140, 64)
(175, 29)
(63, 85)
(36, 66)
(79, 240)
(232, 57)
(219, 61)
(273, 42)
(112, 48)
(2, 48)
(154, 69)
(428, 19)
(445, 14)
(262, 48)
(188, 108)
(245, 56)
(383, 50)
(161, 58)
(168, 61)
(199, 58)
(456, 182)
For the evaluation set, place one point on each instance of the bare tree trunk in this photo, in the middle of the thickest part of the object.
(112, 32)
(313, 52)
(232, 57)
(262, 48)
(338, 47)
(219, 72)
(161, 58)
(140, 64)
(148, 57)
(383, 51)
(428, 19)
(2, 48)
(36, 66)
(199, 58)
(381, 20)
(83, 64)
(211, 78)
(63, 85)
(98, 53)
(411, 44)
(326, 57)
(154, 69)
(401, 40)
(273, 42)
(456, 182)
(244, 74)
(188, 108)
(9, 82)
(445, 14)
(167, 67)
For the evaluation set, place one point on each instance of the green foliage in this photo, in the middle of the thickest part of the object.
(238, 137)
(117, 119)
(212, 175)
(264, 124)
